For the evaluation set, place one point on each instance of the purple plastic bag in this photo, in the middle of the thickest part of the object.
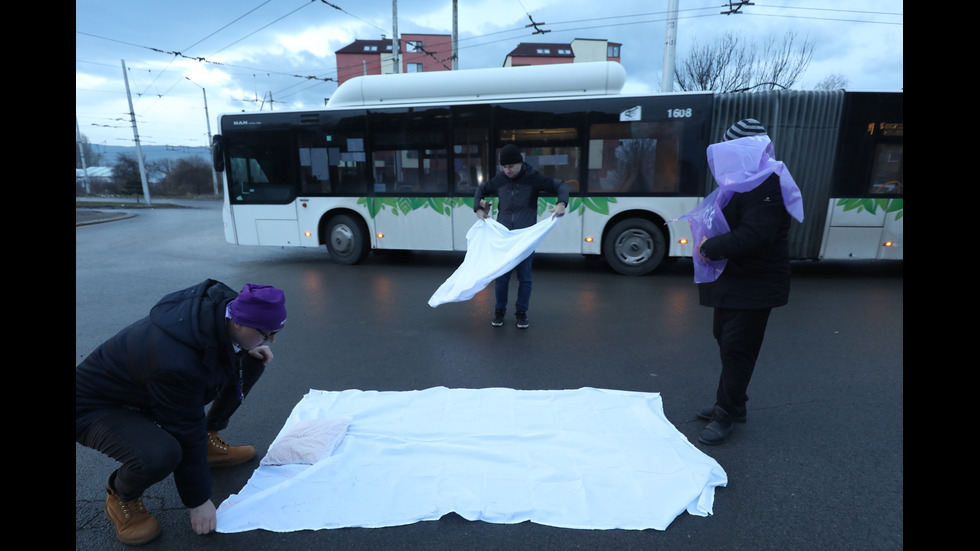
(738, 166)
(706, 220)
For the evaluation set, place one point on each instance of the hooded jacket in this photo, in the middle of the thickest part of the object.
(746, 222)
(519, 196)
(168, 365)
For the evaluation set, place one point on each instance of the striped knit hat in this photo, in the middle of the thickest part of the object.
(745, 127)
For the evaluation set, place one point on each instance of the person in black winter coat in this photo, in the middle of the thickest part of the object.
(518, 187)
(756, 275)
(140, 397)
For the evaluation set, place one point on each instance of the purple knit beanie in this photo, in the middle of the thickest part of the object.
(259, 306)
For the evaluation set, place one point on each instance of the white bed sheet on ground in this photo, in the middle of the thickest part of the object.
(491, 251)
(587, 458)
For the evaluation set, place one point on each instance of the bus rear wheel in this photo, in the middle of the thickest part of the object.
(634, 246)
(346, 240)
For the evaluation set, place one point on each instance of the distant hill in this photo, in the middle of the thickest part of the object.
(151, 153)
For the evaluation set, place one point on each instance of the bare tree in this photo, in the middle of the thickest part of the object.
(835, 81)
(724, 65)
(782, 64)
(729, 64)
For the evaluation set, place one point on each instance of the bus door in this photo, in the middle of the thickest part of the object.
(471, 144)
(332, 176)
(551, 135)
(261, 193)
(410, 165)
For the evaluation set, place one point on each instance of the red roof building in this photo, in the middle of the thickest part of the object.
(579, 51)
(419, 53)
(433, 52)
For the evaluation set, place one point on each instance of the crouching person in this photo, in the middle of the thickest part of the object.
(141, 397)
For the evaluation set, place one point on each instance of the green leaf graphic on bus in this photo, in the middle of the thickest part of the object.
(872, 205)
(445, 205)
(595, 204)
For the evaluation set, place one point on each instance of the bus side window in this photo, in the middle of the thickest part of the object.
(633, 157)
(888, 171)
(349, 166)
(560, 162)
(408, 152)
(470, 146)
(435, 171)
(256, 175)
(557, 160)
(314, 174)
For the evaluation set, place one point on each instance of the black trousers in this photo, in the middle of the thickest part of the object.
(148, 452)
(739, 334)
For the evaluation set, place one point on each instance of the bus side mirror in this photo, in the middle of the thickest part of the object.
(217, 153)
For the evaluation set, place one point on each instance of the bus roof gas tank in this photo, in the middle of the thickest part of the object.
(532, 81)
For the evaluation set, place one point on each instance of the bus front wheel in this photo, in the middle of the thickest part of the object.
(634, 247)
(346, 240)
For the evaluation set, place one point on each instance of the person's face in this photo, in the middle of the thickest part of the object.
(511, 171)
(249, 337)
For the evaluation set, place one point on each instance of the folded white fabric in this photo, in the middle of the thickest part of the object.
(306, 442)
(586, 458)
(491, 251)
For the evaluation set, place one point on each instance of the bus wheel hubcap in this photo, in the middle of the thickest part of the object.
(634, 247)
(342, 238)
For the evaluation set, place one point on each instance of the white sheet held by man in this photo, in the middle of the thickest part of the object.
(491, 251)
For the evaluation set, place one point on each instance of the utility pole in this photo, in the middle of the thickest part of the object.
(670, 48)
(81, 154)
(455, 37)
(207, 117)
(136, 136)
(395, 41)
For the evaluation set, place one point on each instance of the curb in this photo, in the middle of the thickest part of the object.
(89, 217)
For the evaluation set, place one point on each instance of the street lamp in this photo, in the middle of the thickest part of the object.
(214, 174)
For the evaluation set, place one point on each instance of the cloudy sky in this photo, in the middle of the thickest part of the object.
(241, 53)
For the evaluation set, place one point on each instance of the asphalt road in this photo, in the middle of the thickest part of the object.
(818, 465)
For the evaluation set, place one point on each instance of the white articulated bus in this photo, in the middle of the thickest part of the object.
(392, 162)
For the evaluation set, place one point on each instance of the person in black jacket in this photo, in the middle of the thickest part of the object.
(756, 274)
(140, 397)
(517, 186)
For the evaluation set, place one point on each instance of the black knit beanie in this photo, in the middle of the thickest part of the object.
(510, 155)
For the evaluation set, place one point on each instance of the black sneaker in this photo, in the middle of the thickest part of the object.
(498, 318)
(522, 320)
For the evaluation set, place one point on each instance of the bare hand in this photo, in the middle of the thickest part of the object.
(698, 248)
(559, 210)
(263, 353)
(483, 210)
(204, 518)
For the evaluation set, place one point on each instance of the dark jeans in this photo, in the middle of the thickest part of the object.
(148, 452)
(739, 334)
(502, 285)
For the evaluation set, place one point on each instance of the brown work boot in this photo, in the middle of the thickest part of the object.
(134, 526)
(220, 454)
